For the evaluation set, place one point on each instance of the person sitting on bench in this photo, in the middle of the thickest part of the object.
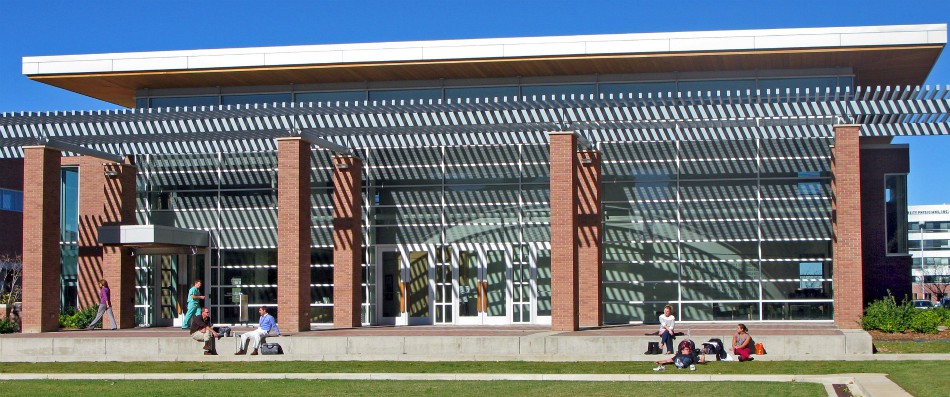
(201, 331)
(265, 325)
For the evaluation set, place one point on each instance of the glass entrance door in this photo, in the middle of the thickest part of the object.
(484, 290)
(405, 282)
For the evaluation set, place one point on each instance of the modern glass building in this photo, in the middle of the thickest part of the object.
(565, 181)
(928, 241)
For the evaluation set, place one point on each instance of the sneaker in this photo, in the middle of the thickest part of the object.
(659, 368)
(750, 359)
(692, 367)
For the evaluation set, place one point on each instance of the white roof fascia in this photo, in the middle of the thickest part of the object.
(635, 43)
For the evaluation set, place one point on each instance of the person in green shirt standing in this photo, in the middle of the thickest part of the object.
(194, 304)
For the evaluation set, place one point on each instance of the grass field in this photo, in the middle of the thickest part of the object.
(261, 388)
(913, 347)
(920, 378)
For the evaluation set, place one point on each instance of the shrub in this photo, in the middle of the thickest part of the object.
(6, 326)
(925, 321)
(886, 315)
(70, 318)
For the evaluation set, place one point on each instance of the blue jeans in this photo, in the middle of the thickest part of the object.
(666, 338)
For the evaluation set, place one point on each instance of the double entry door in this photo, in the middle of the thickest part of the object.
(463, 284)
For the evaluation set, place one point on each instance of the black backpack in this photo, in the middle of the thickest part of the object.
(715, 347)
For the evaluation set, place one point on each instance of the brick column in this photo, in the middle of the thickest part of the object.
(347, 241)
(118, 264)
(41, 255)
(564, 184)
(846, 224)
(589, 245)
(293, 234)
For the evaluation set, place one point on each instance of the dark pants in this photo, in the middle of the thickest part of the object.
(666, 338)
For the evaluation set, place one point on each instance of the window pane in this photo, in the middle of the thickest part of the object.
(480, 92)
(184, 101)
(255, 98)
(559, 89)
(341, 96)
(390, 95)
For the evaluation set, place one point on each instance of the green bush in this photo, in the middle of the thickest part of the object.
(943, 313)
(886, 315)
(71, 318)
(6, 326)
(925, 321)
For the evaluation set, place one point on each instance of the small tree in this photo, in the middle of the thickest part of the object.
(11, 274)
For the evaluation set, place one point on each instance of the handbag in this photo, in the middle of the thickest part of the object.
(759, 348)
(271, 348)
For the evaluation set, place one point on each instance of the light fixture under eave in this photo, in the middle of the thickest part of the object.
(341, 166)
(110, 173)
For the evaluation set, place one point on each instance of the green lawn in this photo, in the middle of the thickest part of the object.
(895, 347)
(260, 388)
(917, 377)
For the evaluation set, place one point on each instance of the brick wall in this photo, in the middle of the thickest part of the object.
(589, 236)
(564, 182)
(293, 233)
(347, 241)
(889, 272)
(846, 223)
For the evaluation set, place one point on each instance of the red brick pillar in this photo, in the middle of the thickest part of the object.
(41, 256)
(293, 233)
(347, 241)
(589, 232)
(564, 184)
(118, 264)
(846, 223)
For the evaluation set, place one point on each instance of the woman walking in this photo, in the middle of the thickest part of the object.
(105, 303)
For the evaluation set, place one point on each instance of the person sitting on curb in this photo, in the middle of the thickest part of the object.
(683, 359)
(264, 326)
(742, 343)
(201, 331)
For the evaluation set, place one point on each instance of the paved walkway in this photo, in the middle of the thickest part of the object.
(867, 385)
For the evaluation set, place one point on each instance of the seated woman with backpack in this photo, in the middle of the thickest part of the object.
(742, 343)
(686, 357)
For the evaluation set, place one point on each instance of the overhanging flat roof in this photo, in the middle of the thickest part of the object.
(152, 236)
(879, 55)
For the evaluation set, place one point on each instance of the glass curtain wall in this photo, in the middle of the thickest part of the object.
(464, 195)
(733, 230)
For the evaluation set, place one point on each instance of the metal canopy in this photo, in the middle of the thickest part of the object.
(339, 127)
(152, 236)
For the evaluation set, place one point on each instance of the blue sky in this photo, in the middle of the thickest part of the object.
(58, 27)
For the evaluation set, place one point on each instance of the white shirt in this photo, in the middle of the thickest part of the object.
(666, 322)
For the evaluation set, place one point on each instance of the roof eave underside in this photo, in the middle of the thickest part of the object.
(874, 65)
(881, 112)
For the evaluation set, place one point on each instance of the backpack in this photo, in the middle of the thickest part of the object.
(715, 347)
(686, 342)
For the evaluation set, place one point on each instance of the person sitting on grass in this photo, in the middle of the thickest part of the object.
(683, 359)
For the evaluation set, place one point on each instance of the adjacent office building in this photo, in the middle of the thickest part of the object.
(568, 181)
(929, 244)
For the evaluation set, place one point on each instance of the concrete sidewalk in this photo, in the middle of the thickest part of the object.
(867, 385)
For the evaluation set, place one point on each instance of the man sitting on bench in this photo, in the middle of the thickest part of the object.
(266, 324)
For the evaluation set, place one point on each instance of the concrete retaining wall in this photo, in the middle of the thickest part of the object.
(537, 347)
